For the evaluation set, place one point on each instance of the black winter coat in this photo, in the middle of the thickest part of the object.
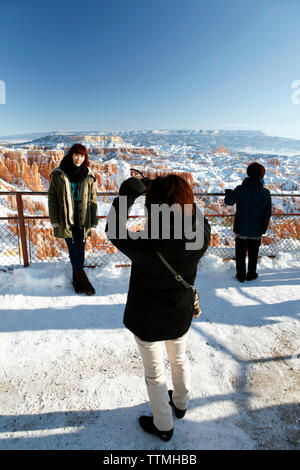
(158, 307)
(253, 207)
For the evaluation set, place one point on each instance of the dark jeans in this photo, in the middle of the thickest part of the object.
(243, 245)
(76, 247)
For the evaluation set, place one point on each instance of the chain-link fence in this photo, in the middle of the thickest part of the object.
(26, 234)
(44, 247)
(283, 235)
(10, 243)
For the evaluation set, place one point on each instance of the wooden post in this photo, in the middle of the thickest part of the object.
(22, 229)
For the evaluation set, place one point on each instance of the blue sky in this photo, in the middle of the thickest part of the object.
(160, 64)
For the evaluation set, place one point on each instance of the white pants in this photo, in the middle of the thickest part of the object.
(153, 360)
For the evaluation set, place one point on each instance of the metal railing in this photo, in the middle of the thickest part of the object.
(26, 237)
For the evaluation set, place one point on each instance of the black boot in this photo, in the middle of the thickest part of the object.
(146, 423)
(251, 276)
(76, 284)
(85, 283)
(179, 413)
(240, 278)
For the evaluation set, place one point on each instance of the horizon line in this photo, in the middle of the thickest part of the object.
(102, 132)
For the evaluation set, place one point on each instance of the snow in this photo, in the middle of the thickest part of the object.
(123, 171)
(71, 376)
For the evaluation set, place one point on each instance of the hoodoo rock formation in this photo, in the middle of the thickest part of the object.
(16, 167)
(16, 170)
(31, 168)
(222, 150)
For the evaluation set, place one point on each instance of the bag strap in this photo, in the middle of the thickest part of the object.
(177, 276)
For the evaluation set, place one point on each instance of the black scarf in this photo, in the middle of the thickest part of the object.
(75, 173)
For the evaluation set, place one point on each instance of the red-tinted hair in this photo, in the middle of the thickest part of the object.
(171, 189)
(79, 148)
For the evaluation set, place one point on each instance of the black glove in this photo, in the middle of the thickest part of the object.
(228, 191)
(132, 187)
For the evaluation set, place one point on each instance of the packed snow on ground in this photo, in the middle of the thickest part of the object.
(71, 376)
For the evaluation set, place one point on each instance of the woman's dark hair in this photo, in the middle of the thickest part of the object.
(171, 189)
(79, 148)
(256, 170)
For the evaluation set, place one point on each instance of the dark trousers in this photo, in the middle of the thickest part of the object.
(242, 245)
(76, 247)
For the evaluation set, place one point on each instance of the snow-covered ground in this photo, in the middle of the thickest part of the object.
(71, 376)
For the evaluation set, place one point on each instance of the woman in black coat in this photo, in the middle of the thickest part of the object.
(253, 212)
(159, 309)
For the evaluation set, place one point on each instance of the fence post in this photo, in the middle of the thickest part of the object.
(22, 229)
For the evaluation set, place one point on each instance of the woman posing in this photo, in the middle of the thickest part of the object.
(159, 309)
(72, 203)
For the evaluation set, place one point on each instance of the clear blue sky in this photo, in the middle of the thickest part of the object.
(141, 64)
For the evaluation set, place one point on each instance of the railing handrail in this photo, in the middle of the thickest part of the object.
(46, 217)
(19, 195)
(108, 193)
(22, 218)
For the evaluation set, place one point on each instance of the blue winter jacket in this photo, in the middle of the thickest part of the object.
(253, 207)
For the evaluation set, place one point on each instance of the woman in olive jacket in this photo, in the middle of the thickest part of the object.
(72, 204)
(159, 309)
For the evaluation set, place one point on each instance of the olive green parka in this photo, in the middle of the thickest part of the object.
(61, 204)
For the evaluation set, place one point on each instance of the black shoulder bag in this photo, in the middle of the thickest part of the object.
(196, 307)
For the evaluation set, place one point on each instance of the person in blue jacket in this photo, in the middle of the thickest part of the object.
(253, 212)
